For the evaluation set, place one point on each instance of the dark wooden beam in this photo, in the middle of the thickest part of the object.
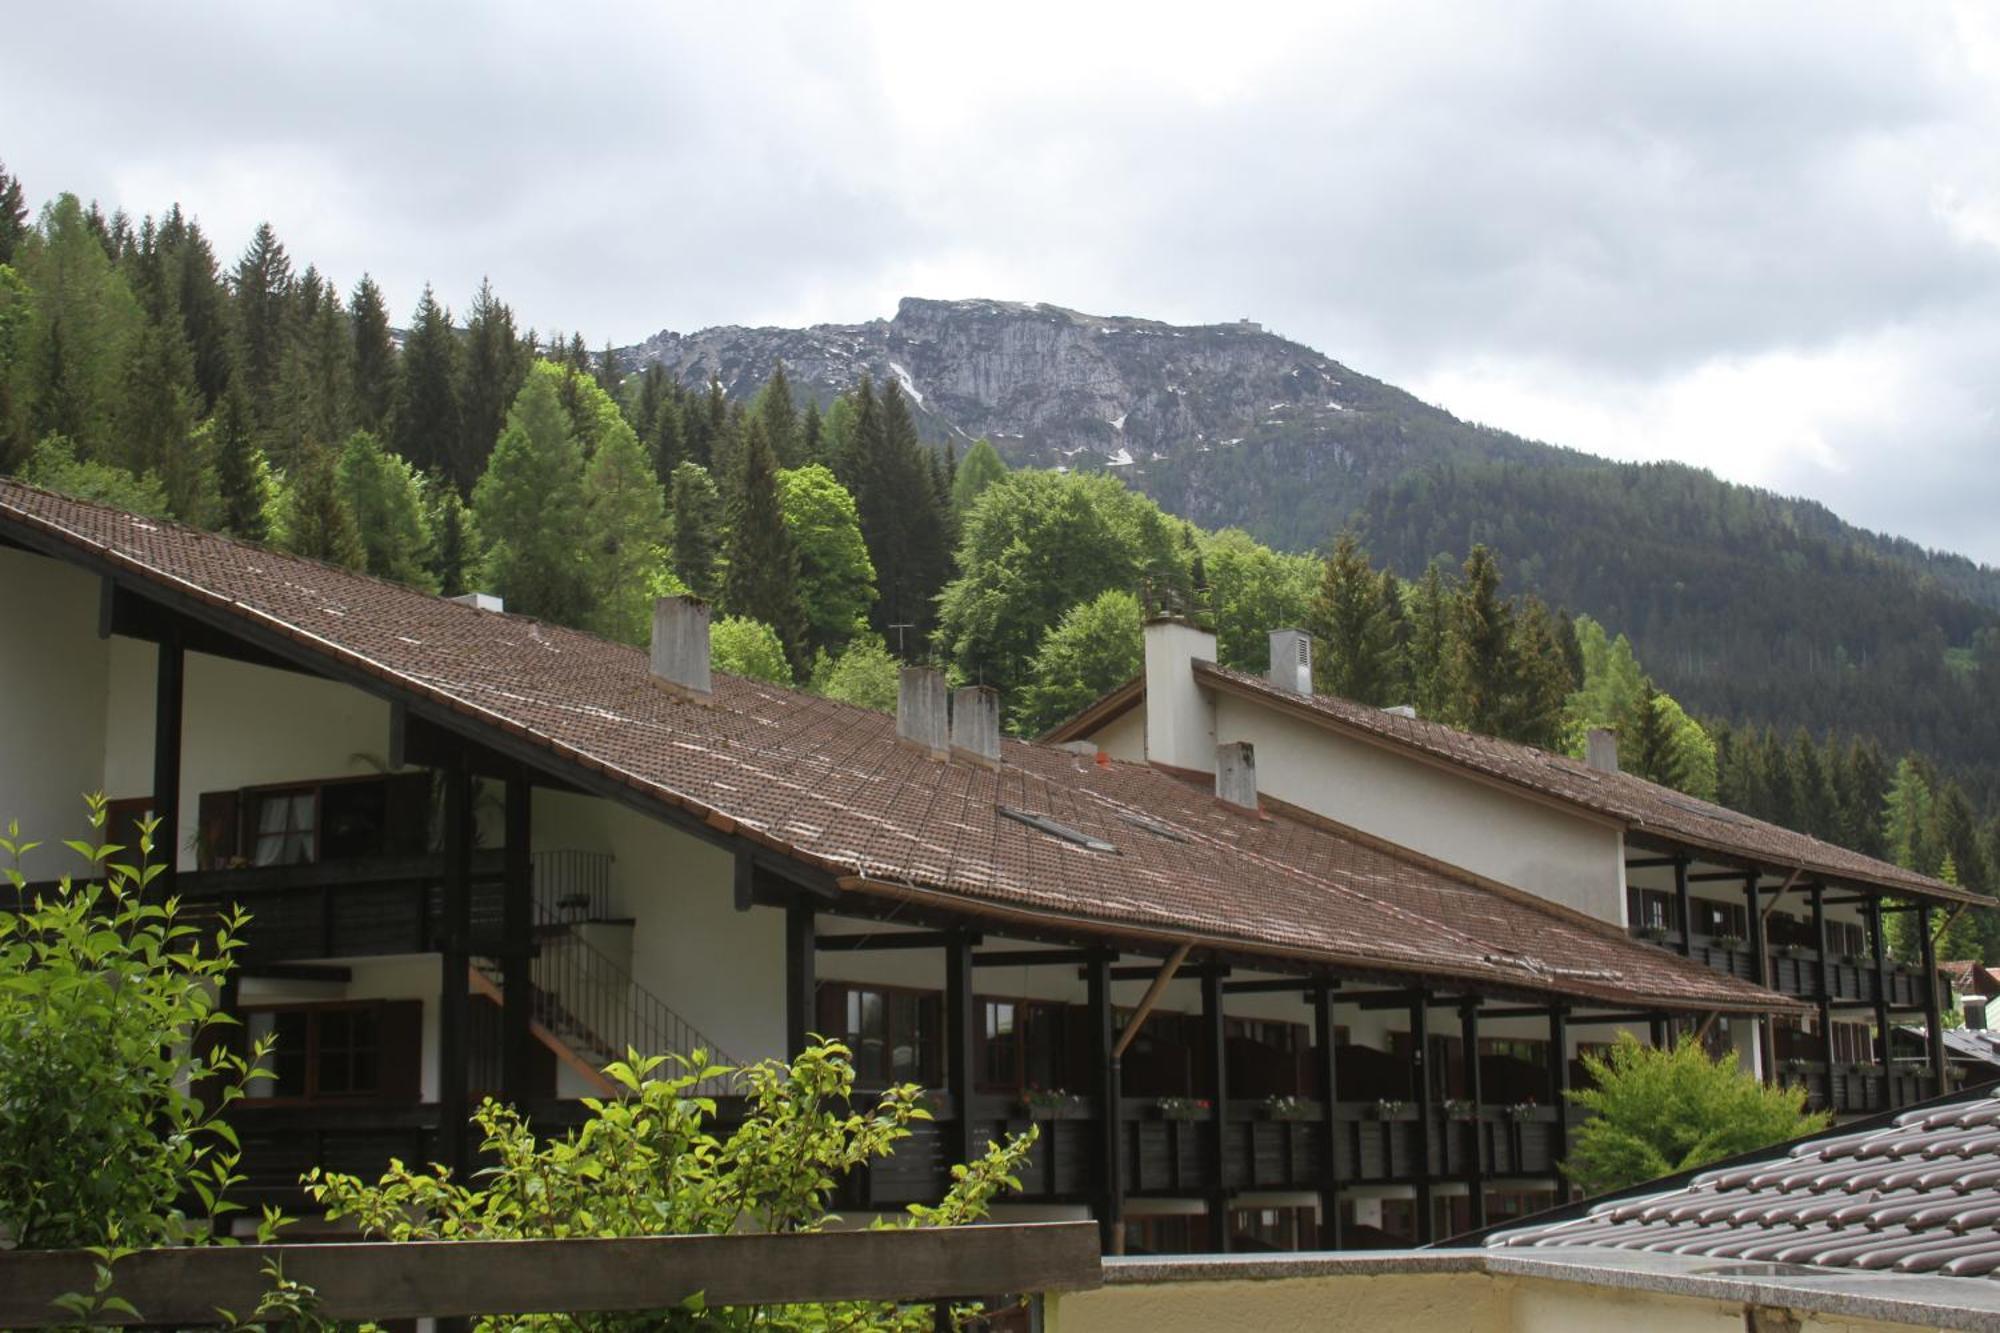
(129, 616)
(801, 978)
(1654, 862)
(1302, 986)
(910, 939)
(1147, 971)
(517, 931)
(1760, 967)
(1824, 987)
(1933, 1002)
(454, 1003)
(1684, 905)
(1214, 1040)
(1325, 1050)
(169, 692)
(1475, 1164)
(1559, 1090)
(1108, 1166)
(1034, 957)
(332, 973)
(1878, 949)
(960, 1038)
(1420, 1129)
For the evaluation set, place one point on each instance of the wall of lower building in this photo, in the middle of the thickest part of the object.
(53, 680)
(1569, 859)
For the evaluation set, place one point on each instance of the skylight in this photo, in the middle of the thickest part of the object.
(1153, 826)
(1057, 830)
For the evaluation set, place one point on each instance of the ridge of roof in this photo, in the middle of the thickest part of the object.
(1644, 806)
(828, 785)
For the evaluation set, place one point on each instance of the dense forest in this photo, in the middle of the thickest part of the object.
(262, 399)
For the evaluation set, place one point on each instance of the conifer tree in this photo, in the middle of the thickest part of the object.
(75, 343)
(781, 419)
(625, 519)
(642, 407)
(697, 514)
(13, 216)
(386, 498)
(760, 581)
(1429, 655)
(1482, 642)
(667, 441)
(491, 373)
(980, 468)
(1540, 682)
(529, 507)
(315, 519)
(243, 477)
(812, 434)
(609, 375)
(901, 518)
(263, 306)
(374, 358)
(426, 431)
(1653, 752)
(455, 552)
(156, 418)
(1357, 657)
(188, 266)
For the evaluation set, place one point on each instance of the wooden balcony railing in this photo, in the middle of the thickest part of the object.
(1793, 971)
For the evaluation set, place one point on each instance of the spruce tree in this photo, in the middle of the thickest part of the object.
(1482, 647)
(263, 306)
(426, 430)
(1540, 682)
(609, 375)
(490, 376)
(243, 478)
(812, 434)
(454, 541)
(697, 516)
(666, 443)
(156, 417)
(315, 518)
(374, 359)
(902, 520)
(387, 501)
(13, 216)
(529, 507)
(781, 419)
(1428, 657)
(1653, 751)
(625, 519)
(1357, 655)
(762, 564)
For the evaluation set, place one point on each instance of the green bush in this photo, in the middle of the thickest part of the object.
(1664, 1111)
(111, 1077)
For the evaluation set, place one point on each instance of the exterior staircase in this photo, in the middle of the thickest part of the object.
(587, 1009)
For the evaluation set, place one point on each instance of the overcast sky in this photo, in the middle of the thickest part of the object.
(1764, 239)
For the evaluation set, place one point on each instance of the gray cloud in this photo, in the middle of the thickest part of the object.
(1765, 239)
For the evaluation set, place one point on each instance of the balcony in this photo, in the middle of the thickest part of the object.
(1790, 970)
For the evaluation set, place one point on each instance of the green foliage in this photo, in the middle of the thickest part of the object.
(112, 1074)
(980, 468)
(697, 514)
(651, 1162)
(745, 647)
(1037, 543)
(490, 374)
(836, 579)
(1096, 647)
(1356, 626)
(82, 324)
(761, 579)
(1660, 1112)
(386, 498)
(774, 407)
(247, 493)
(530, 507)
(1252, 591)
(314, 518)
(866, 674)
(625, 527)
(426, 426)
(54, 464)
(374, 357)
(902, 512)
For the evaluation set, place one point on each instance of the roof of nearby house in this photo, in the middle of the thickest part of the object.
(1918, 1192)
(1643, 807)
(1972, 978)
(830, 786)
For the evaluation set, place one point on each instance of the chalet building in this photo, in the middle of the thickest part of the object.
(1268, 971)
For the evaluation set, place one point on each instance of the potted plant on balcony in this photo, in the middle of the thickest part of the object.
(1653, 934)
(1182, 1108)
(1390, 1108)
(1284, 1107)
(1046, 1103)
(1522, 1112)
(1726, 942)
(1460, 1108)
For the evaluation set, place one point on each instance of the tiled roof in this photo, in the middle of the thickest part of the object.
(1644, 807)
(830, 786)
(1920, 1194)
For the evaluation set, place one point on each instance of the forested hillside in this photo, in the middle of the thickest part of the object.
(1793, 668)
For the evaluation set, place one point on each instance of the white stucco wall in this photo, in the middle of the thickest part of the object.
(53, 671)
(1124, 736)
(1516, 840)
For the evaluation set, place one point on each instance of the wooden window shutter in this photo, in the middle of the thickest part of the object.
(402, 1027)
(221, 829)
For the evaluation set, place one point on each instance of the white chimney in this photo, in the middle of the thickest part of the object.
(1180, 720)
(975, 723)
(680, 643)
(923, 712)
(1292, 660)
(1602, 750)
(483, 601)
(1236, 774)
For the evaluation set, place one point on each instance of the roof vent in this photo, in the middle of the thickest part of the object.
(1056, 829)
(1602, 751)
(483, 601)
(1402, 710)
(1292, 660)
(975, 723)
(1236, 774)
(680, 643)
(923, 710)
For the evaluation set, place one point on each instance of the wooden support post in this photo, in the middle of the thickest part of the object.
(517, 931)
(1475, 1160)
(1420, 1094)
(801, 978)
(169, 681)
(1933, 1002)
(1559, 1090)
(1760, 968)
(1879, 953)
(455, 946)
(1215, 1040)
(1684, 904)
(1659, 1031)
(1106, 1061)
(959, 1016)
(1329, 1167)
(1825, 998)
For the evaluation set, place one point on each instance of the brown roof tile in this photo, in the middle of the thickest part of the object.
(830, 786)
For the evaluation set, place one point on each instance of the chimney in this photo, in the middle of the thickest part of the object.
(1180, 719)
(975, 723)
(483, 601)
(1236, 774)
(1292, 660)
(1975, 1013)
(1602, 753)
(680, 643)
(922, 711)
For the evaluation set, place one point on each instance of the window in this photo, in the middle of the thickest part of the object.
(1653, 909)
(282, 825)
(338, 1052)
(1023, 1044)
(1714, 918)
(121, 827)
(337, 820)
(1273, 1228)
(1170, 1234)
(896, 1034)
